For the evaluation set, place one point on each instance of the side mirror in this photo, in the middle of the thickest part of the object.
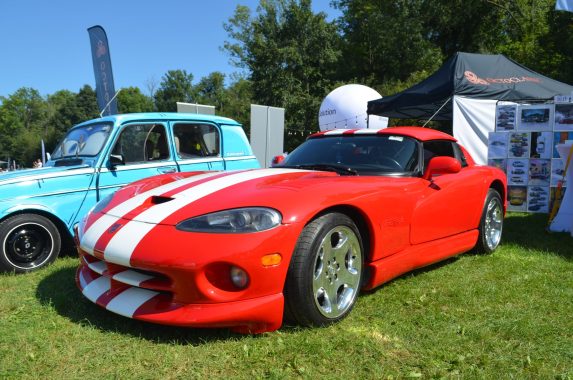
(115, 159)
(277, 160)
(442, 165)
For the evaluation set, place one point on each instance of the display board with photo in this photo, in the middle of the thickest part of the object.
(523, 146)
(563, 117)
(518, 146)
(560, 138)
(538, 199)
(505, 117)
(517, 171)
(539, 172)
(541, 143)
(557, 172)
(497, 145)
(535, 117)
(517, 198)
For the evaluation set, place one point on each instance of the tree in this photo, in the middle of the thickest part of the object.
(238, 98)
(86, 104)
(291, 56)
(176, 86)
(385, 41)
(131, 99)
(211, 91)
(557, 45)
(67, 109)
(461, 25)
(22, 118)
(61, 116)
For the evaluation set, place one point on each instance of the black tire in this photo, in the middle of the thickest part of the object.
(491, 223)
(325, 272)
(28, 242)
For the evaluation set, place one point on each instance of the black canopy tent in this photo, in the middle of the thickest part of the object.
(470, 75)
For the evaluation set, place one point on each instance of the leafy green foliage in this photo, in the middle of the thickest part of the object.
(239, 97)
(131, 99)
(385, 40)
(211, 90)
(291, 55)
(21, 121)
(176, 86)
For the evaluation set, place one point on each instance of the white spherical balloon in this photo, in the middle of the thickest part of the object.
(345, 107)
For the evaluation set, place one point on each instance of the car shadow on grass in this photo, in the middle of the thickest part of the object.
(59, 291)
(530, 231)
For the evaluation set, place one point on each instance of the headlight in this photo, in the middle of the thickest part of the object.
(240, 220)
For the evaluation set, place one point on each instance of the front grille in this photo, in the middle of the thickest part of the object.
(121, 275)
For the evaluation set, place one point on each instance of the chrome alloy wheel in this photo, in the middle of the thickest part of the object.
(337, 272)
(493, 223)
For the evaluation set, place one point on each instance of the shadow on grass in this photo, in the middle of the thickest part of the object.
(529, 231)
(59, 291)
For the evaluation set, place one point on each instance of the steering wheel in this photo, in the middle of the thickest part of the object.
(390, 163)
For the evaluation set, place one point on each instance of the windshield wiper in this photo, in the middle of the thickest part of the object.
(340, 169)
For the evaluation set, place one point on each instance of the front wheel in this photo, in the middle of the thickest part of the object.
(325, 272)
(28, 242)
(491, 223)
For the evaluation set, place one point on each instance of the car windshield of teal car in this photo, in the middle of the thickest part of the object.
(85, 141)
(357, 155)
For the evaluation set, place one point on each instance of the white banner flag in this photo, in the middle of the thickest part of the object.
(564, 5)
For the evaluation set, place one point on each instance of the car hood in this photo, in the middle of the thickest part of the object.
(162, 200)
(18, 176)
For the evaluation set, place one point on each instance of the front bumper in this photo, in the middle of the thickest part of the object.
(246, 316)
(162, 285)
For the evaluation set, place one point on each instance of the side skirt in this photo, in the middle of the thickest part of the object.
(418, 256)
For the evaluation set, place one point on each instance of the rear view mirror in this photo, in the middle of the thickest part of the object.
(277, 160)
(116, 159)
(442, 165)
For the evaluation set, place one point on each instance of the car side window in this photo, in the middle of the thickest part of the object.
(141, 143)
(436, 149)
(196, 140)
(460, 155)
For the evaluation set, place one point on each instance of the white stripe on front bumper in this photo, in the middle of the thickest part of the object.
(127, 302)
(96, 288)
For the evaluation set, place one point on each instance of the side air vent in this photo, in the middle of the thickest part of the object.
(157, 199)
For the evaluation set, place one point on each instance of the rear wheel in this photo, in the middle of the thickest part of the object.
(325, 272)
(491, 224)
(28, 242)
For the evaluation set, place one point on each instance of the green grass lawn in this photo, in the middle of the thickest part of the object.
(507, 315)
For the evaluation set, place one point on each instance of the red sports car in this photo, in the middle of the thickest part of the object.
(345, 211)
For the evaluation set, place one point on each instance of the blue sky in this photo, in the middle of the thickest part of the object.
(45, 44)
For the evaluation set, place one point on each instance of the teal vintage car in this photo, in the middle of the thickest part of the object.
(39, 207)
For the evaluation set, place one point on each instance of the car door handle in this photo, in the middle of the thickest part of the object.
(167, 170)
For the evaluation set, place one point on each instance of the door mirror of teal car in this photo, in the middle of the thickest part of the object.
(114, 160)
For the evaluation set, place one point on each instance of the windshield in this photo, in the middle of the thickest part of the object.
(83, 141)
(366, 154)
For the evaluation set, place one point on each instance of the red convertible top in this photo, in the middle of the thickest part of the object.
(419, 133)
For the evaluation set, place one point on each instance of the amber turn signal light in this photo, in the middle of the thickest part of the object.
(271, 259)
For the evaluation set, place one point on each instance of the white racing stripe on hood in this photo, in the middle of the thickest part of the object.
(121, 246)
(100, 226)
(91, 236)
